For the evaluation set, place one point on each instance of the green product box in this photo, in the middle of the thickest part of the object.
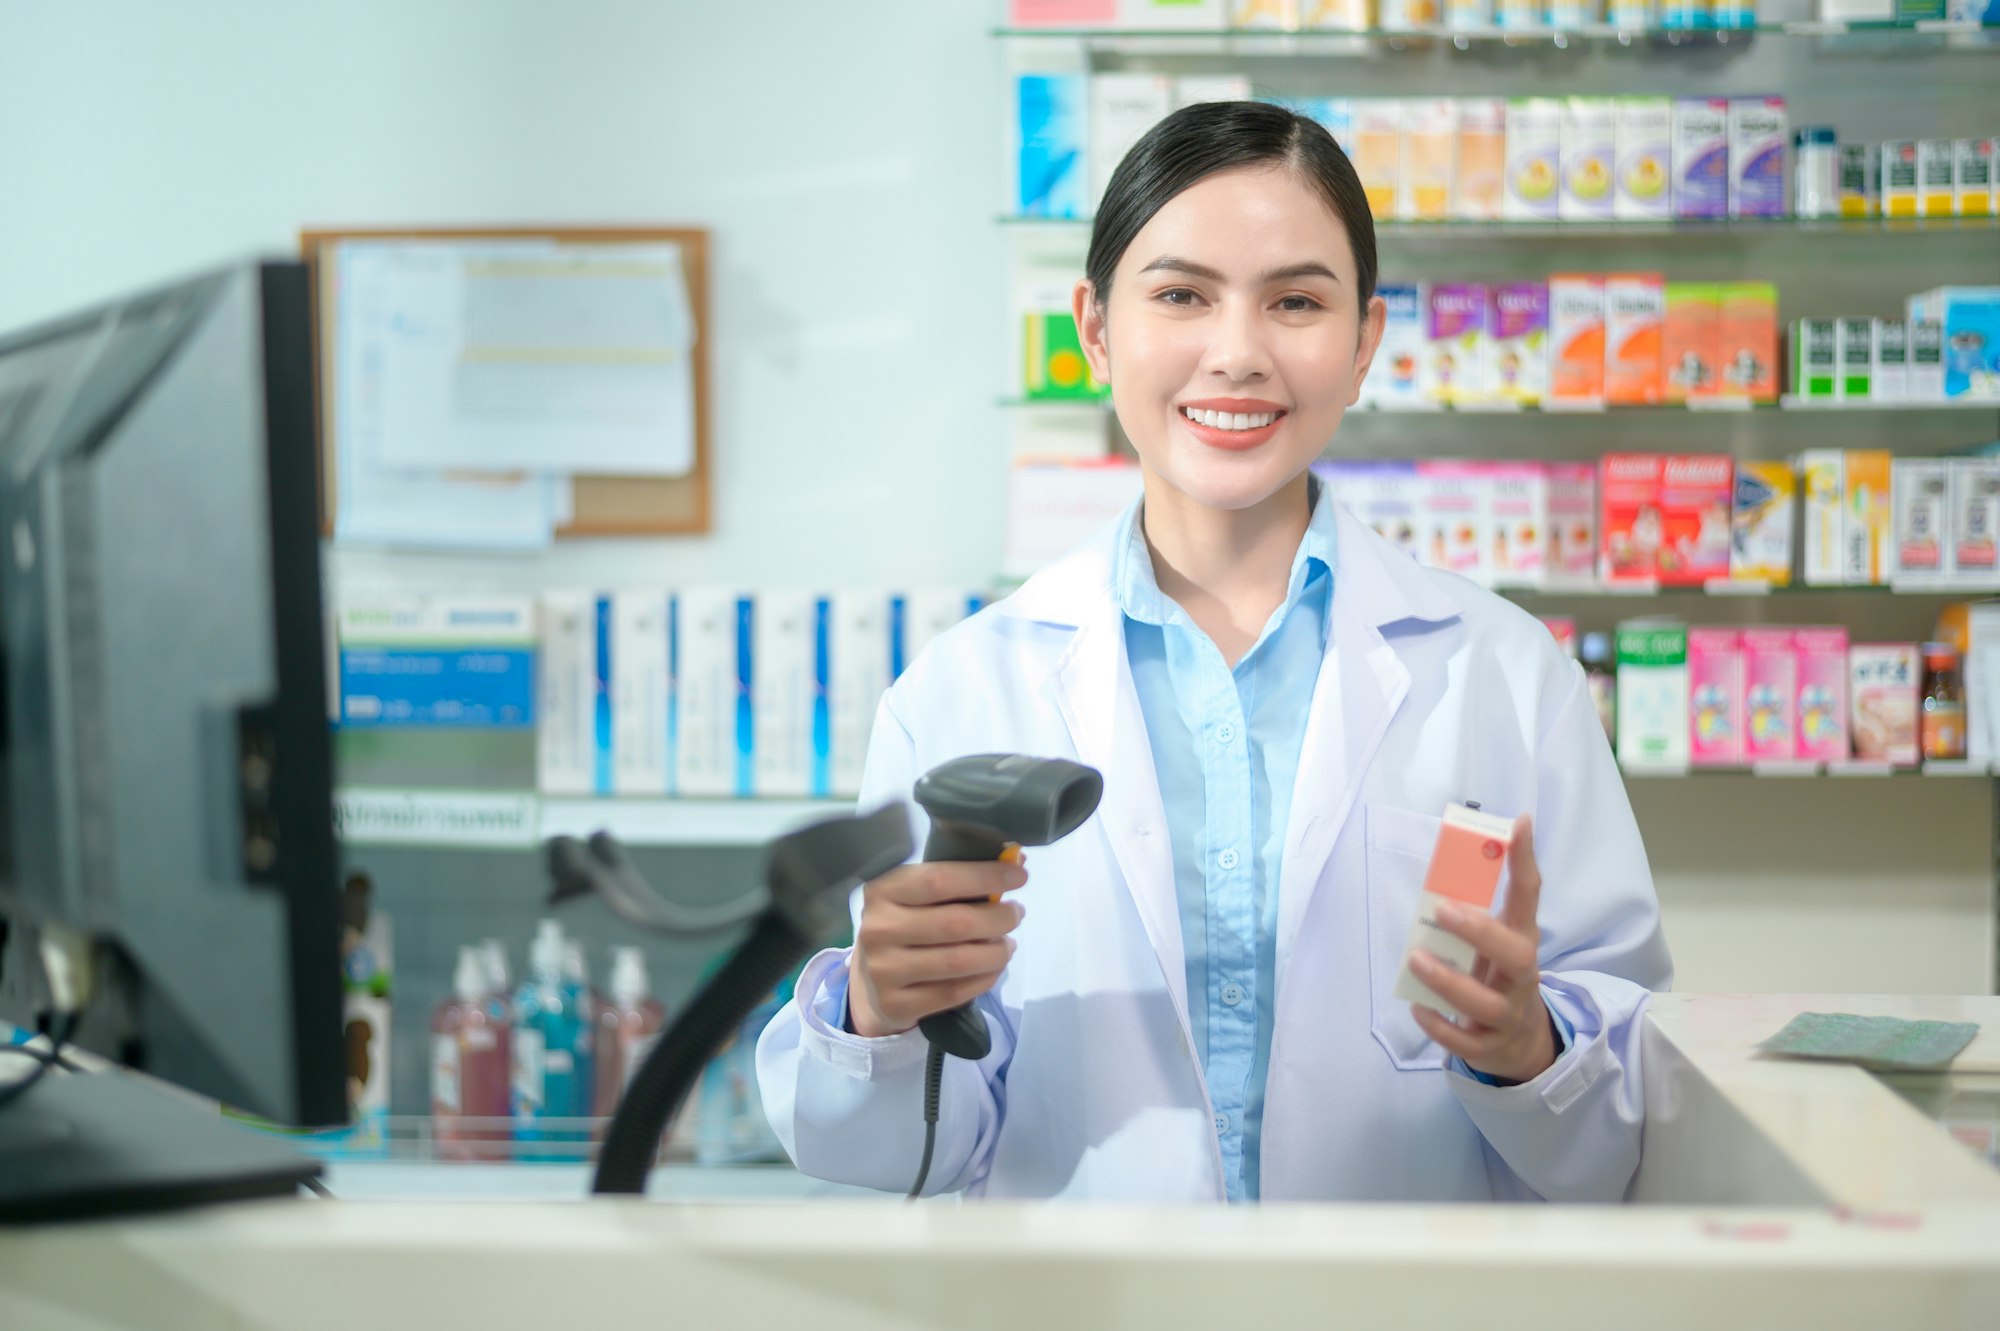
(1815, 357)
(1056, 368)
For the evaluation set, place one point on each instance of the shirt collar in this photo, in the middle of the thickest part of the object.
(1138, 590)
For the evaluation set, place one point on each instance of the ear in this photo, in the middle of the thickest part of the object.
(1373, 320)
(1090, 330)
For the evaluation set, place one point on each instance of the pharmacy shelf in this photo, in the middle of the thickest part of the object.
(1594, 409)
(1876, 37)
(686, 822)
(1747, 589)
(522, 820)
(1688, 228)
(1953, 770)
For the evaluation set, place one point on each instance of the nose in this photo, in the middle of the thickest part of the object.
(1237, 350)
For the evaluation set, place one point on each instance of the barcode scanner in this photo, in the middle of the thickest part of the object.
(987, 807)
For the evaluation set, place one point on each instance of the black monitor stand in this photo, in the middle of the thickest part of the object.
(112, 1142)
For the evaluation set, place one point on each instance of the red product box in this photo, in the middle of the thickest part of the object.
(1631, 525)
(1696, 494)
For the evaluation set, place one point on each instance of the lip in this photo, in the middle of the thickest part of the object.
(1231, 441)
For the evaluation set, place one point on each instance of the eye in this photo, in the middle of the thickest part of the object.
(1299, 304)
(1180, 296)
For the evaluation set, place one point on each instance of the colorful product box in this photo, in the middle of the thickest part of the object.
(1822, 706)
(1883, 679)
(862, 651)
(1052, 158)
(1430, 132)
(1383, 493)
(1378, 151)
(1054, 368)
(1534, 155)
(1898, 177)
(1867, 528)
(1701, 157)
(1822, 476)
(1588, 156)
(641, 693)
(1975, 175)
(1629, 518)
(1920, 495)
(1517, 326)
(1692, 341)
(1891, 368)
(1653, 695)
(1454, 337)
(1771, 695)
(1465, 870)
(1926, 360)
(714, 752)
(1854, 351)
(1936, 166)
(1517, 517)
(1969, 322)
(1645, 153)
(1634, 320)
(791, 655)
(1395, 379)
(1264, 15)
(1975, 519)
(1747, 340)
(1816, 358)
(1452, 510)
(1482, 159)
(1715, 697)
(1572, 525)
(1563, 629)
(1760, 526)
(1696, 496)
(1576, 339)
(1757, 146)
(1860, 166)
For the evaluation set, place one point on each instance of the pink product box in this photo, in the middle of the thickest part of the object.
(1770, 695)
(1822, 707)
(1715, 697)
(1572, 524)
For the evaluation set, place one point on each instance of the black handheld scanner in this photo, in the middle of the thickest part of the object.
(986, 807)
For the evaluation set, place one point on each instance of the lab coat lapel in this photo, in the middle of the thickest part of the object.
(1093, 689)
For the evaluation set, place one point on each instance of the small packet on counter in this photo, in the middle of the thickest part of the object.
(1887, 1043)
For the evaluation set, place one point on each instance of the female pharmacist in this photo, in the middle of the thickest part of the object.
(1195, 1003)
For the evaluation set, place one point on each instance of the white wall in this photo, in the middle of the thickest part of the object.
(846, 156)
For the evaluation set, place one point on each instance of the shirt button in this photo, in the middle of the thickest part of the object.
(1227, 859)
(1222, 1123)
(1232, 994)
(1224, 733)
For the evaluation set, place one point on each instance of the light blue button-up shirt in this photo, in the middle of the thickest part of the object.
(1226, 751)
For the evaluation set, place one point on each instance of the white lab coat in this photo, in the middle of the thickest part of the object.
(1432, 691)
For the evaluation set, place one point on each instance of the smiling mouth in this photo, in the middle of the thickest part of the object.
(1224, 420)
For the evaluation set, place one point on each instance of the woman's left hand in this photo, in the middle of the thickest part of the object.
(1506, 1030)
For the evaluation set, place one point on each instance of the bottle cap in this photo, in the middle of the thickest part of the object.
(545, 954)
(493, 953)
(629, 983)
(468, 981)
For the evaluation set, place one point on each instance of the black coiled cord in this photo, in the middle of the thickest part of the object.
(933, 1092)
(670, 1072)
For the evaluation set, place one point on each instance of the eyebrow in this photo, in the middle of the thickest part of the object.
(1290, 271)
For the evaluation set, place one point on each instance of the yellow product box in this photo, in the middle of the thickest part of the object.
(1867, 518)
(1430, 131)
(1761, 520)
(1378, 152)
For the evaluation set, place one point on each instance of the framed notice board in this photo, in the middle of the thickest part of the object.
(602, 505)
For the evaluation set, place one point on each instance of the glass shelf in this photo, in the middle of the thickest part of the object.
(1731, 590)
(1689, 228)
(1197, 41)
(1786, 405)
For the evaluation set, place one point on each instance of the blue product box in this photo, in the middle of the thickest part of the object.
(1970, 319)
(1052, 171)
(438, 662)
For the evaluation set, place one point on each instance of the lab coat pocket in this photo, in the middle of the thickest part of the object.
(1400, 842)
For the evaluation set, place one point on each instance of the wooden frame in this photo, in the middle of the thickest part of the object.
(605, 505)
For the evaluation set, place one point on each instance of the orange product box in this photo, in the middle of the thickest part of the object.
(1689, 343)
(1576, 338)
(1629, 522)
(1635, 315)
(1747, 340)
(1697, 492)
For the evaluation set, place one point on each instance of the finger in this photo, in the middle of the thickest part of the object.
(932, 884)
(1453, 1038)
(919, 1001)
(929, 926)
(1475, 1000)
(1509, 952)
(1524, 880)
(904, 967)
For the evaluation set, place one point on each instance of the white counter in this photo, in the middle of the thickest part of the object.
(1861, 1213)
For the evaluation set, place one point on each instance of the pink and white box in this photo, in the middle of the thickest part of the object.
(1822, 709)
(1715, 697)
(1770, 696)
(1572, 524)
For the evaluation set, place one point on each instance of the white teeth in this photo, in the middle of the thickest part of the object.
(1225, 420)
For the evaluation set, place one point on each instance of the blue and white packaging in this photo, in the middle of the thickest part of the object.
(1123, 106)
(641, 622)
(790, 650)
(1393, 381)
(1381, 492)
(922, 615)
(566, 742)
(862, 649)
(714, 748)
(1758, 141)
(1969, 320)
(1052, 157)
(437, 661)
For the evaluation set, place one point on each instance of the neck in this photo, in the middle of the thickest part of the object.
(1227, 568)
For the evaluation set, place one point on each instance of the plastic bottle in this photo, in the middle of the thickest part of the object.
(628, 1026)
(469, 1084)
(552, 1042)
(1603, 680)
(493, 955)
(1944, 705)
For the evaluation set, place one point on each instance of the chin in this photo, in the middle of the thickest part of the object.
(1232, 483)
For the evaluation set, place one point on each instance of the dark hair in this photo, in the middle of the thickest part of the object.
(1198, 141)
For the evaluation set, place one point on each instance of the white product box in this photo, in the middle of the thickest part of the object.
(1464, 869)
(1653, 694)
(565, 741)
(1758, 173)
(1891, 360)
(1701, 157)
(1192, 88)
(1976, 177)
(1517, 515)
(1982, 683)
(926, 613)
(1534, 158)
(1454, 533)
(1480, 189)
(1920, 495)
(1926, 360)
(1383, 493)
(1854, 359)
(1395, 380)
(714, 738)
(1974, 556)
(1822, 495)
(1644, 160)
(1936, 166)
(1883, 690)
(862, 651)
(788, 653)
(641, 623)
(1122, 108)
(1589, 150)
(1572, 525)
(1429, 159)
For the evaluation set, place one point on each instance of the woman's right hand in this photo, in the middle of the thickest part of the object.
(929, 939)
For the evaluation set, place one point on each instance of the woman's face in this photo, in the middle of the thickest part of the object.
(1236, 300)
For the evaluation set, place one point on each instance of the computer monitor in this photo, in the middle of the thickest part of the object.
(167, 764)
